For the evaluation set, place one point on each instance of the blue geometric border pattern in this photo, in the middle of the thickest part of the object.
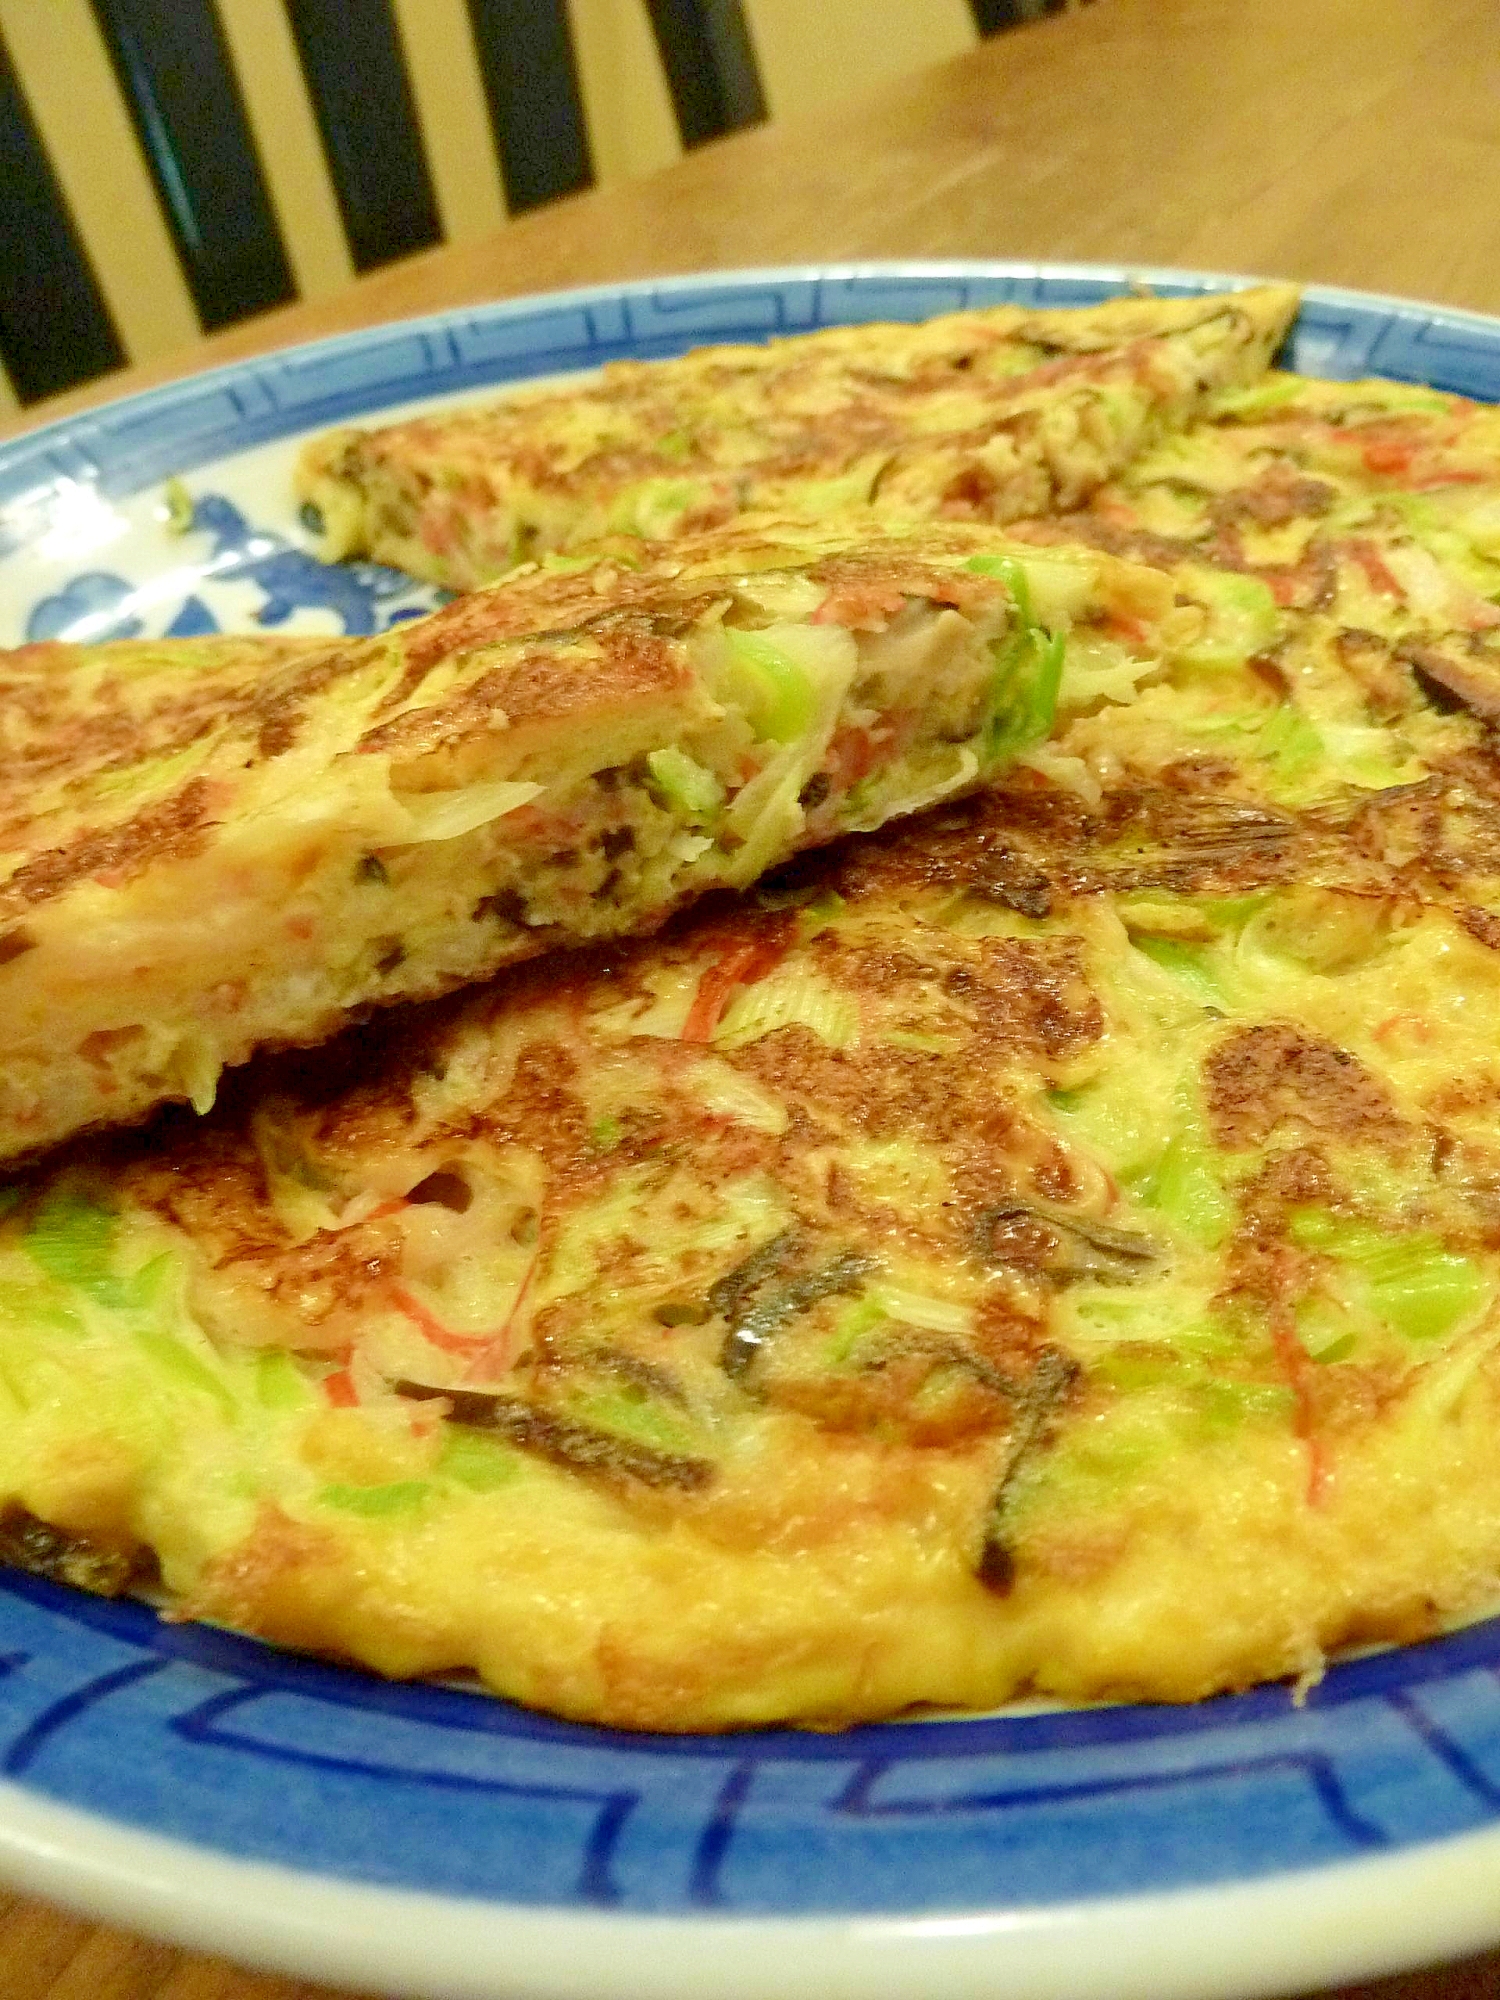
(146, 438)
(228, 1745)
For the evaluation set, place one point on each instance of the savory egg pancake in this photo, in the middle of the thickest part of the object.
(210, 846)
(982, 415)
(1053, 1245)
(1371, 507)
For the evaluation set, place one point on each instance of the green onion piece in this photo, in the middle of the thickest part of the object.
(1337, 1350)
(633, 1414)
(1233, 912)
(1317, 1229)
(683, 785)
(776, 694)
(1184, 1188)
(71, 1238)
(1186, 962)
(179, 507)
(1015, 579)
(1422, 1290)
(401, 1496)
(279, 1382)
(1134, 1372)
(1228, 1403)
(1023, 693)
(1260, 399)
(654, 508)
(480, 1463)
(562, 565)
(1412, 1283)
(1324, 1330)
(1290, 743)
(821, 914)
(853, 1324)
(1028, 669)
(174, 1359)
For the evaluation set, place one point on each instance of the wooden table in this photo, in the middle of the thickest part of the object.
(1352, 141)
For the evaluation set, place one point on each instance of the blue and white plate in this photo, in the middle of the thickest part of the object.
(427, 1840)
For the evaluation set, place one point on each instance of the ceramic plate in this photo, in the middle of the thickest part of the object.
(428, 1840)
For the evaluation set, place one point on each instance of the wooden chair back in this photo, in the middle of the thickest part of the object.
(170, 166)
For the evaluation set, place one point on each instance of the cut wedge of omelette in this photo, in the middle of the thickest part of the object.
(1367, 512)
(211, 846)
(982, 415)
(1053, 1245)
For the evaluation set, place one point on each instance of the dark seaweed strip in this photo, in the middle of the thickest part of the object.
(1079, 1247)
(564, 1440)
(748, 1330)
(725, 1293)
(637, 1373)
(647, 1375)
(29, 1544)
(1013, 880)
(1049, 1383)
(683, 1312)
(943, 1354)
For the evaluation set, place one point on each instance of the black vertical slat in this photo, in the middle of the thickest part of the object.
(990, 16)
(530, 76)
(175, 73)
(710, 66)
(55, 329)
(351, 56)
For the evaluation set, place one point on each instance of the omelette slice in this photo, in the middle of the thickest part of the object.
(206, 847)
(1046, 1247)
(982, 415)
(1367, 509)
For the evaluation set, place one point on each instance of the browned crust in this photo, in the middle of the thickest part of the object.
(881, 372)
(1263, 1076)
(636, 666)
(63, 1556)
(545, 650)
(171, 831)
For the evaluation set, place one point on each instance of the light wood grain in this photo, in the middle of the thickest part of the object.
(1352, 141)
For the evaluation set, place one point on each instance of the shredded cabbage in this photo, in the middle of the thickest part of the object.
(725, 1091)
(936, 1315)
(789, 997)
(1242, 617)
(445, 815)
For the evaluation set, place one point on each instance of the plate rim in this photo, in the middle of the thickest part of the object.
(164, 396)
(1368, 1917)
(1339, 1920)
